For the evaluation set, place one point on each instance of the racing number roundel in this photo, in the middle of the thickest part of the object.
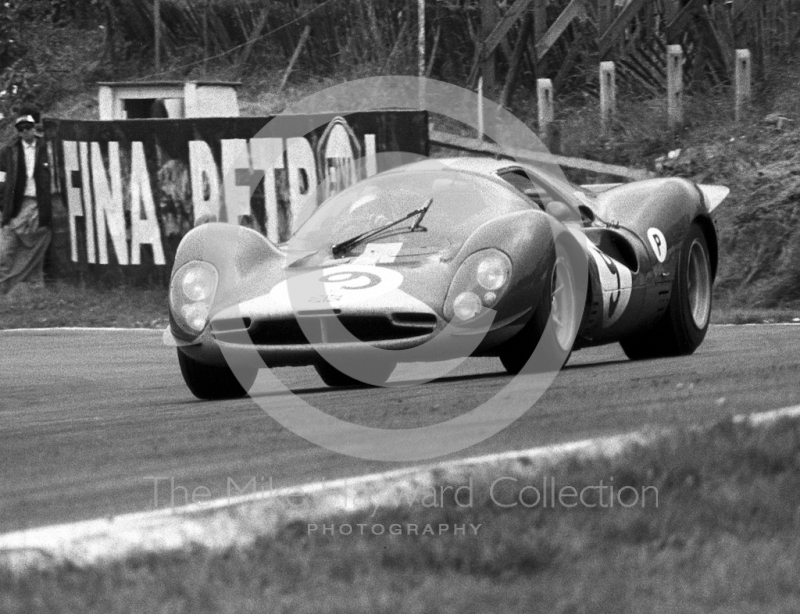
(351, 280)
(658, 242)
(358, 282)
(339, 285)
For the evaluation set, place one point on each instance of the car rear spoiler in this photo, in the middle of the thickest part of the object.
(714, 194)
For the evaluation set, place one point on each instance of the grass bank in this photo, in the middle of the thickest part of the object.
(715, 529)
(61, 303)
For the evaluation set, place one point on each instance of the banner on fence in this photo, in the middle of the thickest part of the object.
(133, 188)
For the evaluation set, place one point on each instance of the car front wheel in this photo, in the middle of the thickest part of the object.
(560, 306)
(211, 382)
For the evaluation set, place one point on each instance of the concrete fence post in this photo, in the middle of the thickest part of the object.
(191, 102)
(742, 78)
(608, 93)
(544, 99)
(105, 103)
(674, 86)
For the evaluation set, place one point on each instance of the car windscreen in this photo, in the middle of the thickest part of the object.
(459, 201)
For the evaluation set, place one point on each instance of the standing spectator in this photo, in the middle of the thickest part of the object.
(26, 207)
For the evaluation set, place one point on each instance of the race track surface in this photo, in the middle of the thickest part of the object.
(89, 419)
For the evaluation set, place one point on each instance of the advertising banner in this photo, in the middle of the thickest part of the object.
(133, 188)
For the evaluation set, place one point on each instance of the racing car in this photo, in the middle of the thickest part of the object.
(448, 258)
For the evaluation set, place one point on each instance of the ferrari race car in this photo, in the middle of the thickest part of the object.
(442, 259)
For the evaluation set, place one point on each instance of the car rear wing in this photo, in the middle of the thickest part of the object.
(713, 194)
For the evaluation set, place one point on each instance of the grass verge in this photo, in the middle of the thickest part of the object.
(716, 531)
(65, 304)
(741, 315)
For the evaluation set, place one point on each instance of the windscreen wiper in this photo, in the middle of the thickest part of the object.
(340, 248)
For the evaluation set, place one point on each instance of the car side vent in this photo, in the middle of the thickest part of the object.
(616, 246)
(423, 319)
(225, 325)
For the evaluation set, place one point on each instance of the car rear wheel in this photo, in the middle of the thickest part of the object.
(374, 373)
(560, 306)
(210, 382)
(685, 322)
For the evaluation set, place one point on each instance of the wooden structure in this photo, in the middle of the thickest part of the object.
(173, 99)
(508, 42)
(536, 157)
(635, 34)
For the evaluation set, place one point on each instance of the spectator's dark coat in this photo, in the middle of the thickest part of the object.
(12, 162)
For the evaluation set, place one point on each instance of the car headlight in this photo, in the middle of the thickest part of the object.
(467, 305)
(195, 315)
(198, 283)
(478, 283)
(493, 271)
(191, 294)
